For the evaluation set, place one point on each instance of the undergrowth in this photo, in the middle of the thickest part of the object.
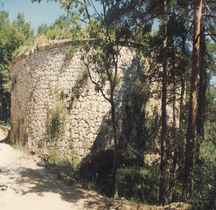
(5, 123)
(19, 147)
(135, 183)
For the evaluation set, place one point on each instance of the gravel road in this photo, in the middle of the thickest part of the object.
(26, 186)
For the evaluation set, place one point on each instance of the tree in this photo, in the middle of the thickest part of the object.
(12, 37)
(208, 12)
(23, 27)
(187, 184)
(62, 28)
(164, 103)
(203, 13)
(202, 87)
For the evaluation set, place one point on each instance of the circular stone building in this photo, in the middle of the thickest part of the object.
(47, 113)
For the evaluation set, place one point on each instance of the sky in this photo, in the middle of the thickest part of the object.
(35, 13)
(38, 14)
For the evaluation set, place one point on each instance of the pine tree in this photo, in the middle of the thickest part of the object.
(12, 37)
(187, 184)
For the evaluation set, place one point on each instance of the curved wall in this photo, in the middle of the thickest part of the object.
(42, 99)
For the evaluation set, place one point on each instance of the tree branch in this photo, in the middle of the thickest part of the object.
(95, 10)
(87, 12)
(179, 16)
(211, 35)
(95, 83)
(211, 59)
(71, 13)
(206, 4)
(209, 15)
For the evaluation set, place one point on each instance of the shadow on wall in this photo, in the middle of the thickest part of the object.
(135, 126)
(60, 87)
(105, 135)
(134, 133)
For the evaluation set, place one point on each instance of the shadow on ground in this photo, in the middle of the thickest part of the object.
(41, 181)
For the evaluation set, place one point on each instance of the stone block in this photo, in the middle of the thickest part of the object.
(67, 134)
(86, 145)
(90, 136)
(79, 144)
(81, 152)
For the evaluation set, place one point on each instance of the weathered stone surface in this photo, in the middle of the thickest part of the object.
(86, 145)
(42, 94)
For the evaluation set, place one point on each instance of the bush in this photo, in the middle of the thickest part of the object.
(204, 192)
(134, 182)
(139, 183)
(96, 169)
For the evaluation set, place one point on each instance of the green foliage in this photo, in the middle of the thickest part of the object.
(93, 185)
(62, 95)
(205, 175)
(19, 147)
(211, 48)
(23, 27)
(70, 51)
(54, 117)
(205, 178)
(30, 93)
(5, 123)
(54, 155)
(71, 144)
(30, 44)
(138, 123)
(66, 162)
(138, 183)
(57, 114)
(80, 84)
(12, 37)
(135, 183)
(62, 28)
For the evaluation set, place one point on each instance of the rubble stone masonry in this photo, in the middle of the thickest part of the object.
(44, 113)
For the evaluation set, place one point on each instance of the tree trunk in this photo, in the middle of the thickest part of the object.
(182, 88)
(114, 124)
(202, 88)
(115, 147)
(187, 183)
(174, 146)
(164, 120)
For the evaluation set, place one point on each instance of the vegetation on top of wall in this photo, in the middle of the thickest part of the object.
(31, 44)
(62, 28)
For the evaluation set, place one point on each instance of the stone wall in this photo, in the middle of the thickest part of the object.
(44, 112)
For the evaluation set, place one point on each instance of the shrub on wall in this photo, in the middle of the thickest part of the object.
(56, 115)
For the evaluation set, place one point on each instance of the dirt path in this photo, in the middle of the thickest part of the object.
(26, 186)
